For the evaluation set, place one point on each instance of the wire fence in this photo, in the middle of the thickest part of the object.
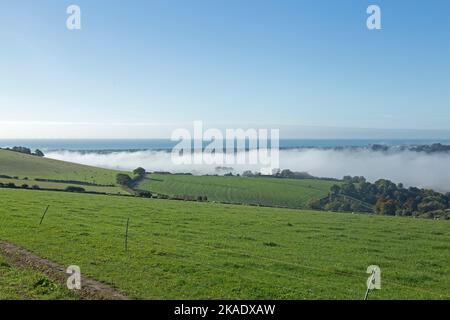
(247, 254)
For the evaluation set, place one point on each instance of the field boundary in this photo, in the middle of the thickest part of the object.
(91, 289)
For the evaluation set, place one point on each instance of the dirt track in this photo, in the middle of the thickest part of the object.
(90, 289)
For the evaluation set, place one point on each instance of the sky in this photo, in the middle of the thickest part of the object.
(138, 69)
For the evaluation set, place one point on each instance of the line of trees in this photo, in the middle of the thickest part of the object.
(25, 150)
(284, 174)
(12, 185)
(385, 198)
(126, 181)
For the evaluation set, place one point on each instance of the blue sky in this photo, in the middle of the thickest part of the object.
(228, 63)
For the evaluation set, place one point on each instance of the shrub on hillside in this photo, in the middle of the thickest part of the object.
(38, 153)
(123, 179)
(144, 194)
(139, 172)
(75, 189)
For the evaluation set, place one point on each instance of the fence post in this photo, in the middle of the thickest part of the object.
(43, 216)
(126, 235)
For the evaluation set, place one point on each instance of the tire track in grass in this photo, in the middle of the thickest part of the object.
(91, 289)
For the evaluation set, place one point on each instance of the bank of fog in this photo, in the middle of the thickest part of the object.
(411, 168)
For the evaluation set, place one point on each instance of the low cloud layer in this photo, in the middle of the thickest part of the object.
(411, 168)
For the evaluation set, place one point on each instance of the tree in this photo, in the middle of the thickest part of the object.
(247, 173)
(21, 150)
(314, 204)
(75, 189)
(39, 153)
(387, 197)
(356, 207)
(123, 179)
(139, 171)
(335, 189)
(143, 193)
(286, 173)
(430, 205)
(386, 207)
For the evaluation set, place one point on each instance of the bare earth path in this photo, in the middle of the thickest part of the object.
(91, 289)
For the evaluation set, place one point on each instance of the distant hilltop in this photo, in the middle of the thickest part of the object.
(25, 150)
(426, 148)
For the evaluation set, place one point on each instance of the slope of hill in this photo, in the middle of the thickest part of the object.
(19, 168)
(290, 193)
(189, 250)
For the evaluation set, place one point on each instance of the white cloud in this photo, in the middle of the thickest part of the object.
(411, 168)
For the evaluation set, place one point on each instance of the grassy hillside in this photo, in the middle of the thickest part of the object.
(63, 186)
(186, 250)
(22, 166)
(266, 191)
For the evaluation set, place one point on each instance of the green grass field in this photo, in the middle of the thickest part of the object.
(265, 191)
(20, 283)
(63, 186)
(187, 250)
(22, 166)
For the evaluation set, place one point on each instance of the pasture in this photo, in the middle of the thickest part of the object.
(22, 165)
(191, 250)
(22, 283)
(290, 193)
(25, 169)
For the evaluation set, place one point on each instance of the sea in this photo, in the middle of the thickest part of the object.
(166, 144)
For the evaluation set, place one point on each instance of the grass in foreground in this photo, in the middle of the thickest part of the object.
(188, 250)
(265, 191)
(26, 284)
